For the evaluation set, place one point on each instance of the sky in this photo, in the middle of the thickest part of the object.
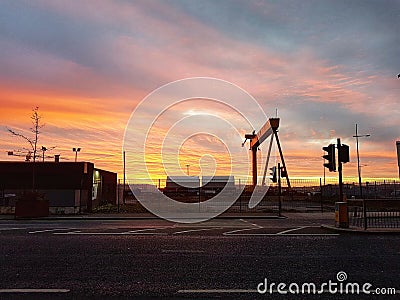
(322, 66)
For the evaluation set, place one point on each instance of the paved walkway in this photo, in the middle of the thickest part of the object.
(326, 219)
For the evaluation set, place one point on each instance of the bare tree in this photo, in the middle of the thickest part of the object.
(35, 129)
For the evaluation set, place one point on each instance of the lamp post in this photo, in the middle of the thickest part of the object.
(44, 149)
(187, 169)
(358, 158)
(76, 150)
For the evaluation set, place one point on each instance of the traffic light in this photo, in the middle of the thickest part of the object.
(344, 153)
(283, 172)
(273, 174)
(330, 157)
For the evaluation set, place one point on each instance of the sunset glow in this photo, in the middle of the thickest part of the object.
(324, 66)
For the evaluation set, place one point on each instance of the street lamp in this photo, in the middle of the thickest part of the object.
(187, 169)
(358, 158)
(44, 149)
(76, 150)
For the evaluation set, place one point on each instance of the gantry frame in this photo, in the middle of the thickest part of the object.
(270, 128)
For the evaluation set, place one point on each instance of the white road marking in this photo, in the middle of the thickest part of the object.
(132, 232)
(233, 232)
(217, 291)
(194, 230)
(182, 251)
(253, 224)
(152, 231)
(293, 229)
(34, 290)
(12, 228)
(221, 291)
(281, 233)
(289, 234)
(69, 232)
(110, 233)
(146, 229)
(50, 230)
(311, 234)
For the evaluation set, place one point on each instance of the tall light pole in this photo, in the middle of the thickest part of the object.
(398, 155)
(76, 150)
(187, 169)
(358, 158)
(44, 149)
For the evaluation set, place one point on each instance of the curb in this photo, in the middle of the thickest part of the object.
(362, 231)
(88, 218)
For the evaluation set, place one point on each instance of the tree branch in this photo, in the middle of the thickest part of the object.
(20, 135)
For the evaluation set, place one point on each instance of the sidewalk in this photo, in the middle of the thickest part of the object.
(325, 220)
(364, 231)
(134, 216)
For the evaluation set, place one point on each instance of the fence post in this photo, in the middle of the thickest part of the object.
(365, 214)
(118, 195)
(384, 188)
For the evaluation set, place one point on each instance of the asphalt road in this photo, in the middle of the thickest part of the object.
(219, 259)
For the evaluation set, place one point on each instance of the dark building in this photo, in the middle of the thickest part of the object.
(70, 187)
(182, 184)
(189, 189)
(215, 184)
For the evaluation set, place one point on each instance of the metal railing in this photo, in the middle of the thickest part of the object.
(306, 195)
(370, 213)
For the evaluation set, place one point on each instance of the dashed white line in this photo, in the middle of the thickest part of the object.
(132, 232)
(34, 290)
(216, 291)
(183, 251)
(12, 228)
(109, 233)
(50, 230)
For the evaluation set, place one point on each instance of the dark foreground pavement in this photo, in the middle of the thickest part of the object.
(219, 259)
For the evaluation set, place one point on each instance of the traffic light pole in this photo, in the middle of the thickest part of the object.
(343, 157)
(340, 172)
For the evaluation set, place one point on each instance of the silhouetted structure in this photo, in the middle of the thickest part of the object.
(70, 187)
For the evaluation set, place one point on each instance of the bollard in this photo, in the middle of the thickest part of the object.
(341, 215)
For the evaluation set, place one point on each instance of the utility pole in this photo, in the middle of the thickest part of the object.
(398, 155)
(123, 190)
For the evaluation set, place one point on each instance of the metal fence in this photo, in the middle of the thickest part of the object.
(305, 195)
(370, 213)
